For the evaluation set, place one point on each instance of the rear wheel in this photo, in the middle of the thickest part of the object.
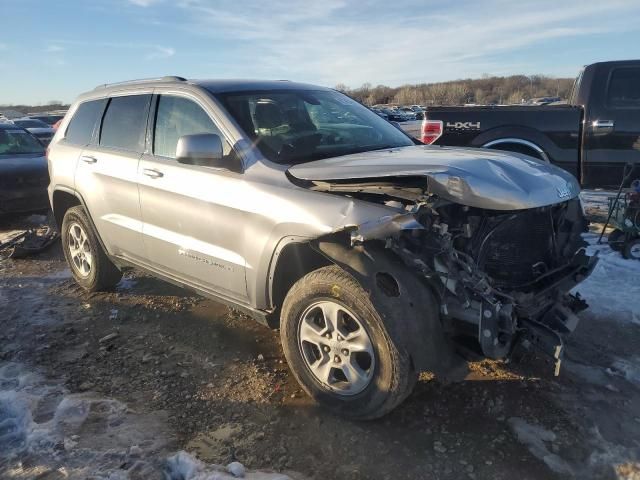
(632, 249)
(616, 239)
(519, 148)
(339, 349)
(89, 264)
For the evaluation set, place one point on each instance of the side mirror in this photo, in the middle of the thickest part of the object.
(203, 149)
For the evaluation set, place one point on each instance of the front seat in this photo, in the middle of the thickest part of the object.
(268, 117)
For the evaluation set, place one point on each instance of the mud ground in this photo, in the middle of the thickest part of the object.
(219, 385)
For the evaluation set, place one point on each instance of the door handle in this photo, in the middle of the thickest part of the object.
(152, 173)
(88, 159)
(602, 124)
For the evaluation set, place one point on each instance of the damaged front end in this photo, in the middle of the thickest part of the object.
(502, 277)
(497, 236)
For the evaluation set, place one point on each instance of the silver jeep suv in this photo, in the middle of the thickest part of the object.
(377, 257)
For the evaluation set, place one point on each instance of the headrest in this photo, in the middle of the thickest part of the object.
(268, 115)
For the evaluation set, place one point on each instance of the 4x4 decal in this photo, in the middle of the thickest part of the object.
(463, 125)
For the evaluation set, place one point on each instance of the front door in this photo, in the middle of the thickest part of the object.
(612, 127)
(191, 229)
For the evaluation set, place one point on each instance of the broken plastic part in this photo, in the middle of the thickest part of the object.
(385, 227)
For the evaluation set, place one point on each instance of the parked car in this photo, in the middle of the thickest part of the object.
(393, 115)
(23, 171)
(380, 113)
(592, 136)
(37, 128)
(49, 119)
(543, 100)
(373, 255)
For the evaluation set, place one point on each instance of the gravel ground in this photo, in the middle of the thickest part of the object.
(110, 385)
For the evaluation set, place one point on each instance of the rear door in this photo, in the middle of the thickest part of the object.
(612, 127)
(107, 174)
(191, 229)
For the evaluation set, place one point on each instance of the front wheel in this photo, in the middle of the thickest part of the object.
(89, 264)
(632, 249)
(339, 349)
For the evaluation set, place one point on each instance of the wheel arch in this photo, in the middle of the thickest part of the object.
(62, 200)
(399, 295)
(523, 136)
(291, 262)
(535, 149)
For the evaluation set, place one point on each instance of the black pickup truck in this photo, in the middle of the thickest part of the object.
(592, 136)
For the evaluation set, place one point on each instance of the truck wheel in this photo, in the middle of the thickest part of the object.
(632, 249)
(616, 240)
(89, 264)
(338, 347)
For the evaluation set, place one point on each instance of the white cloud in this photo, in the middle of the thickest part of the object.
(161, 52)
(333, 40)
(143, 3)
(54, 49)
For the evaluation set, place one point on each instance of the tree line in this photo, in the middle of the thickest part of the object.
(486, 91)
(28, 109)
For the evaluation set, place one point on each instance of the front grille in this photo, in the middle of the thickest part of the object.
(514, 249)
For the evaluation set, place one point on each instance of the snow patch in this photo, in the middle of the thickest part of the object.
(79, 436)
(536, 438)
(183, 466)
(629, 369)
(603, 289)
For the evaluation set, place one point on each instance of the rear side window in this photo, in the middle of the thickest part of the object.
(624, 88)
(81, 125)
(177, 116)
(125, 122)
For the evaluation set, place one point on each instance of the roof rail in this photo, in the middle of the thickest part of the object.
(167, 78)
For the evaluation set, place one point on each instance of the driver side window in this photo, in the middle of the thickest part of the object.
(177, 116)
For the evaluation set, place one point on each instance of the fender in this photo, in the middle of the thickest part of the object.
(75, 193)
(402, 297)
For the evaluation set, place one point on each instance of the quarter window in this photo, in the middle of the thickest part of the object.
(624, 88)
(179, 116)
(125, 122)
(80, 129)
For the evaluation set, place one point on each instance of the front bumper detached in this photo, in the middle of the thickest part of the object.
(540, 318)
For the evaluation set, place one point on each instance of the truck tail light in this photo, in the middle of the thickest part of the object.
(431, 131)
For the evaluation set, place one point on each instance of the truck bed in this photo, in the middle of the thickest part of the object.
(554, 128)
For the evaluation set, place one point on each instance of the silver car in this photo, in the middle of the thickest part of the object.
(377, 257)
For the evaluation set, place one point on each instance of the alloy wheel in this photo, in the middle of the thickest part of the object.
(336, 347)
(80, 250)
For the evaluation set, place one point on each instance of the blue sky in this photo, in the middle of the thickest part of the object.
(54, 50)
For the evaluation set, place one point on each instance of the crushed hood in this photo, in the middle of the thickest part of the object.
(469, 176)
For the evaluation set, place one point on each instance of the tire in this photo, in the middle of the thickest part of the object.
(89, 264)
(616, 240)
(631, 249)
(387, 365)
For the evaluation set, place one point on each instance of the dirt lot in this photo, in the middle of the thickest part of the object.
(109, 385)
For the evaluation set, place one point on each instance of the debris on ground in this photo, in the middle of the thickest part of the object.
(184, 374)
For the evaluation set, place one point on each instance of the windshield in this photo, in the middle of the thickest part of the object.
(18, 141)
(31, 123)
(298, 126)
